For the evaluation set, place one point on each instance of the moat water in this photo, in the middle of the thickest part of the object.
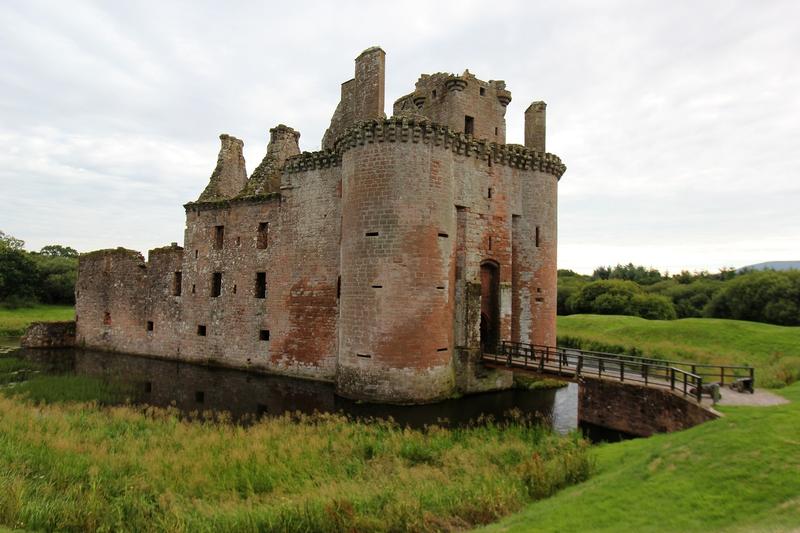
(247, 396)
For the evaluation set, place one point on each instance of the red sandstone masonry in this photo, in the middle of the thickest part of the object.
(371, 250)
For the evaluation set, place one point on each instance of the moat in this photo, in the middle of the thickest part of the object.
(194, 388)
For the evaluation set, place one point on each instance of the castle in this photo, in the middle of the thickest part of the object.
(385, 262)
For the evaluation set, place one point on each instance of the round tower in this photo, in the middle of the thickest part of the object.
(397, 263)
(535, 238)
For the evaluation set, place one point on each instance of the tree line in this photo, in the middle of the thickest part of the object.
(761, 296)
(27, 278)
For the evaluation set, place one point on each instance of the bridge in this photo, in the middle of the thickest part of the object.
(683, 378)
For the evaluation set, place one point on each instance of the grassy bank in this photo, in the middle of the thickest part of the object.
(773, 350)
(84, 467)
(738, 473)
(14, 322)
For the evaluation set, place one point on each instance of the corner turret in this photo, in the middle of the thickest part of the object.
(462, 102)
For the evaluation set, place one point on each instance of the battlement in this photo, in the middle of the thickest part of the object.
(404, 129)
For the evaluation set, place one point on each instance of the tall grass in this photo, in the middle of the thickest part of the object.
(81, 467)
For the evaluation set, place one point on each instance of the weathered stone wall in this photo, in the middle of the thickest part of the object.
(110, 300)
(49, 335)
(637, 410)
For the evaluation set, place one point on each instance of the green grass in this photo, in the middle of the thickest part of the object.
(73, 465)
(737, 473)
(773, 350)
(14, 322)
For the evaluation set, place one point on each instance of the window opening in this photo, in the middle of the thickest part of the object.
(261, 285)
(469, 125)
(263, 334)
(201, 330)
(263, 235)
(149, 325)
(219, 237)
(177, 282)
(216, 284)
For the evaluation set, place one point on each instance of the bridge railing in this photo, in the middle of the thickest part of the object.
(578, 363)
(723, 374)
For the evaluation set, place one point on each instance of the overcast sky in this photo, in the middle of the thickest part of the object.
(679, 121)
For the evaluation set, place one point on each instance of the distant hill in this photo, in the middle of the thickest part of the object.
(772, 265)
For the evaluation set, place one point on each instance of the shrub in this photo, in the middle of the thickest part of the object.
(653, 307)
(772, 297)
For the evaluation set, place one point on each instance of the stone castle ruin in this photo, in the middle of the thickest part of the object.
(385, 262)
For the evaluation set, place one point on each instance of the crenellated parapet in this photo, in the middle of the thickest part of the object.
(403, 129)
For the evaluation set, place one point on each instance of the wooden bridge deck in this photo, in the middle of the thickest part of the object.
(684, 378)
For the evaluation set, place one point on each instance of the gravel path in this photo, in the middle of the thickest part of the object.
(759, 397)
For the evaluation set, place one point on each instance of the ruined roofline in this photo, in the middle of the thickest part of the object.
(204, 205)
(133, 255)
(403, 129)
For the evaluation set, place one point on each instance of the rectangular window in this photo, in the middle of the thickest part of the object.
(177, 282)
(219, 237)
(538, 236)
(199, 396)
(469, 125)
(263, 335)
(201, 330)
(261, 284)
(489, 193)
(482, 91)
(149, 325)
(263, 235)
(371, 234)
(216, 284)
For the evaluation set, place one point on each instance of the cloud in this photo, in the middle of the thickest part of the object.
(677, 121)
